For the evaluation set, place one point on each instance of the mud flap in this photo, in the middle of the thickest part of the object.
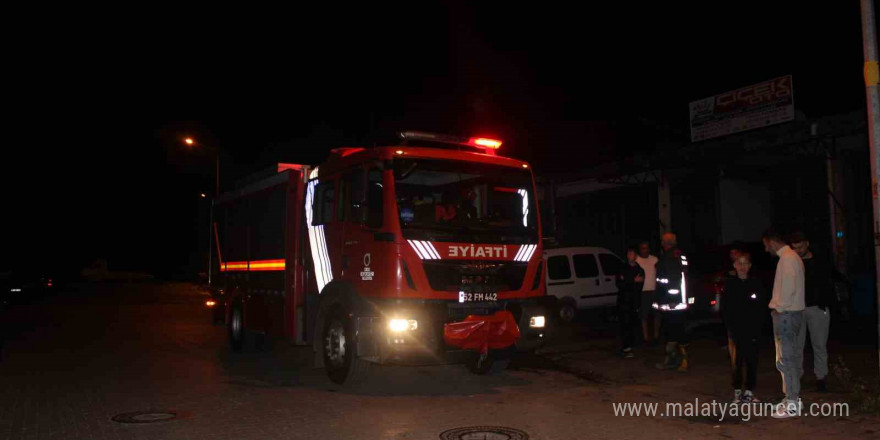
(368, 336)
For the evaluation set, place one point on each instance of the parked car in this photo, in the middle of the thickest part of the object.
(581, 278)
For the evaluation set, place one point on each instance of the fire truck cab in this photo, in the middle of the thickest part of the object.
(426, 248)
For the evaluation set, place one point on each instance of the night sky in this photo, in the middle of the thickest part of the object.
(106, 96)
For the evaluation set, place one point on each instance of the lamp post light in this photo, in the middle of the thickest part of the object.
(191, 142)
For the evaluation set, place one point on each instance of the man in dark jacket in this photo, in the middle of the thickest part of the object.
(743, 309)
(818, 298)
(629, 290)
(671, 301)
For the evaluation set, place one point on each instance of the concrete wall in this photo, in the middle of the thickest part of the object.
(609, 218)
(745, 210)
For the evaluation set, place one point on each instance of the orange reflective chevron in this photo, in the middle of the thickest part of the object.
(255, 265)
(267, 265)
(234, 265)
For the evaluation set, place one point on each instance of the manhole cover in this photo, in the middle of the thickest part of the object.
(144, 417)
(484, 433)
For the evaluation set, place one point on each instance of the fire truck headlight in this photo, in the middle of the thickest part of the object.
(402, 325)
(210, 303)
(536, 322)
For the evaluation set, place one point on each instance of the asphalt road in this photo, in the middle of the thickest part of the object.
(73, 362)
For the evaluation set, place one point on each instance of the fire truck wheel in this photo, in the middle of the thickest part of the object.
(490, 363)
(340, 349)
(236, 329)
(567, 311)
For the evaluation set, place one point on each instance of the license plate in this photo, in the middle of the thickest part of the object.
(471, 297)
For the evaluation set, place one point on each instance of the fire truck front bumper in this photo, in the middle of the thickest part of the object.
(406, 330)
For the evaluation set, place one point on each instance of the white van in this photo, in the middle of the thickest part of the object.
(582, 278)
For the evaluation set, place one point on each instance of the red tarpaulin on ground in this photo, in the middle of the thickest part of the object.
(482, 333)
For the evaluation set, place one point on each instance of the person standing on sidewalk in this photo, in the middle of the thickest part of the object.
(818, 297)
(787, 311)
(648, 263)
(728, 343)
(629, 288)
(743, 311)
(671, 302)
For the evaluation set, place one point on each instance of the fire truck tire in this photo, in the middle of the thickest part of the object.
(340, 348)
(236, 329)
(491, 364)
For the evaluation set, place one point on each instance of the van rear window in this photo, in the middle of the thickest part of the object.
(558, 268)
(611, 265)
(585, 266)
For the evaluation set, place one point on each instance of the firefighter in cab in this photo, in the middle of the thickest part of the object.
(672, 302)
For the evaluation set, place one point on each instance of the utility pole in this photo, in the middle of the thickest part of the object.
(217, 173)
(211, 215)
(869, 43)
(210, 239)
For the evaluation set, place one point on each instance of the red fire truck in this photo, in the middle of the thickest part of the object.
(426, 248)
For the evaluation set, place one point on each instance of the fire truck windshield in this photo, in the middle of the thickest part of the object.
(457, 201)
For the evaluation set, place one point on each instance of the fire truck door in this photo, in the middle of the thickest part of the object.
(327, 215)
(366, 250)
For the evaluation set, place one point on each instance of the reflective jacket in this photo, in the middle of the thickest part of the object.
(671, 293)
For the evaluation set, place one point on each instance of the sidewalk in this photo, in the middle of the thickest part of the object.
(637, 380)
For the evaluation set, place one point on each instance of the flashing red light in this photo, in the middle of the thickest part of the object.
(713, 302)
(289, 166)
(346, 151)
(487, 143)
(210, 303)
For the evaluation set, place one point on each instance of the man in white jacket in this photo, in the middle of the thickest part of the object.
(787, 310)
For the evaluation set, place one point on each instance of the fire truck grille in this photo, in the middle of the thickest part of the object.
(475, 276)
(459, 313)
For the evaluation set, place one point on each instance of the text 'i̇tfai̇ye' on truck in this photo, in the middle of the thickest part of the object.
(429, 248)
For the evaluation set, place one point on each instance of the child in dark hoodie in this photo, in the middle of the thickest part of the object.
(629, 289)
(744, 308)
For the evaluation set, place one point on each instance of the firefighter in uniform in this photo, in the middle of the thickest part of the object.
(671, 302)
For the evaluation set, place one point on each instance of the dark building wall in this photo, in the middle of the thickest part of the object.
(693, 195)
(745, 209)
(789, 193)
(613, 219)
(776, 176)
(855, 175)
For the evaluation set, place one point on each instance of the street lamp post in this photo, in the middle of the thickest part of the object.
(192, 143)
